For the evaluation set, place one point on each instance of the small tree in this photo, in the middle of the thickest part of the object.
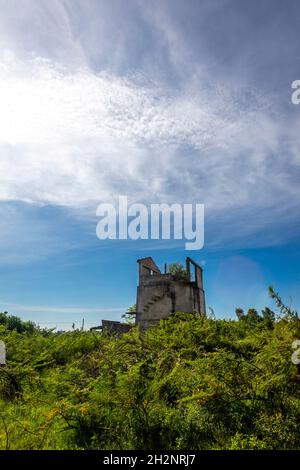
(239, 313)
(287, 311)
(252, 313)
(269, 317)
(178, 271)
(130, 314)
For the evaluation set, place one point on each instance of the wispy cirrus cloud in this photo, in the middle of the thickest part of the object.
(42, 103)
(67, 138)
(75, 130)
(57, 309)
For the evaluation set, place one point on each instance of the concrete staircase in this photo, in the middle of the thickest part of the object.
(154, 299)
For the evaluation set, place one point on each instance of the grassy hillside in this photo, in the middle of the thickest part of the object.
(187, 384)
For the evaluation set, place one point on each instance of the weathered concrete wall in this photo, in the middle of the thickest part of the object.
(114, 327)
(159, 295)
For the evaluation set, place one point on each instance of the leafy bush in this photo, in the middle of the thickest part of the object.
(12, 322)
(189, 383)
(178, 271)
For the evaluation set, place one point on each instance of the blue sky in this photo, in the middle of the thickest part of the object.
(167, 101)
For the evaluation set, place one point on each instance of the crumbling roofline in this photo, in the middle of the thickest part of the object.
(188, 259)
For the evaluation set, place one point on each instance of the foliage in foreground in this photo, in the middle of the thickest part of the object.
(187, 384)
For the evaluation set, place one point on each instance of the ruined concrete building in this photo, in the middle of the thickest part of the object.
(161, 294)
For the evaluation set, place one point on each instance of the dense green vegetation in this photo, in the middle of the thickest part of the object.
(189, 383)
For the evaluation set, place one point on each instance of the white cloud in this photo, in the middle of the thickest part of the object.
(69, 138)
(64, 309)
(42, 103)
(72, 136)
